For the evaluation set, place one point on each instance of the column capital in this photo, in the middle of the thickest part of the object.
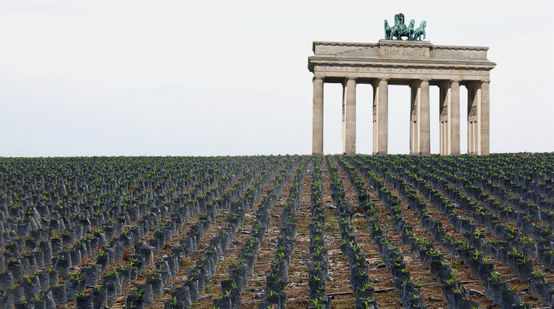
(349, 78)
(448, 83)
(318, 76)
(318, 79)
(472, 84)
(418, 82)
(377, 81)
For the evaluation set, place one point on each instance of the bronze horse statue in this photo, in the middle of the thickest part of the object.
(411, 30)
(420, 31)
(388, 31)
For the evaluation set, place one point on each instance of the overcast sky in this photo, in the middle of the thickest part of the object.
(114, 77)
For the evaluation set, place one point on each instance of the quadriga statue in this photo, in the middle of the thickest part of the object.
(399, 30)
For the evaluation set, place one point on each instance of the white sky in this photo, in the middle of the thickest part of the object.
(93, 77)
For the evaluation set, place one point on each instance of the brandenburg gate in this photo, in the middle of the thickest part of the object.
(418, 64)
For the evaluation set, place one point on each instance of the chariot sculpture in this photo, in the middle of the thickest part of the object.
(399, 30)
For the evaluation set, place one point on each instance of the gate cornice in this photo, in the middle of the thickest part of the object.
(395, 42)
(406, 63)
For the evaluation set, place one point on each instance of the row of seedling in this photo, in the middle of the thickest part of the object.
(452, 290)
(319, 264)
(491, 217)
(496, 289)
(359, 277)
(277, 279)
(408, 289)
(136, 298)
(111, 251)
(239, 272)
(114, 281)
(204, 268)
(474, 252)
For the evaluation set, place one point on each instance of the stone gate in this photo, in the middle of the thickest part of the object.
(417, 64)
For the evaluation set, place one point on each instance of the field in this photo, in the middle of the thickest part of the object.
(273, 231)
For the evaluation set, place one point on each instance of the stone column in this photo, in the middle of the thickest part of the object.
(450, 118)
(349, 117)
(420, 134)
(380, 116)
(444, 112)
(317, 120)
(484, 128)
(478, 118)
(473, 98)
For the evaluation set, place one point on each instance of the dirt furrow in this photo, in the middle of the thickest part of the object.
(297, 289)
(339, 274)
